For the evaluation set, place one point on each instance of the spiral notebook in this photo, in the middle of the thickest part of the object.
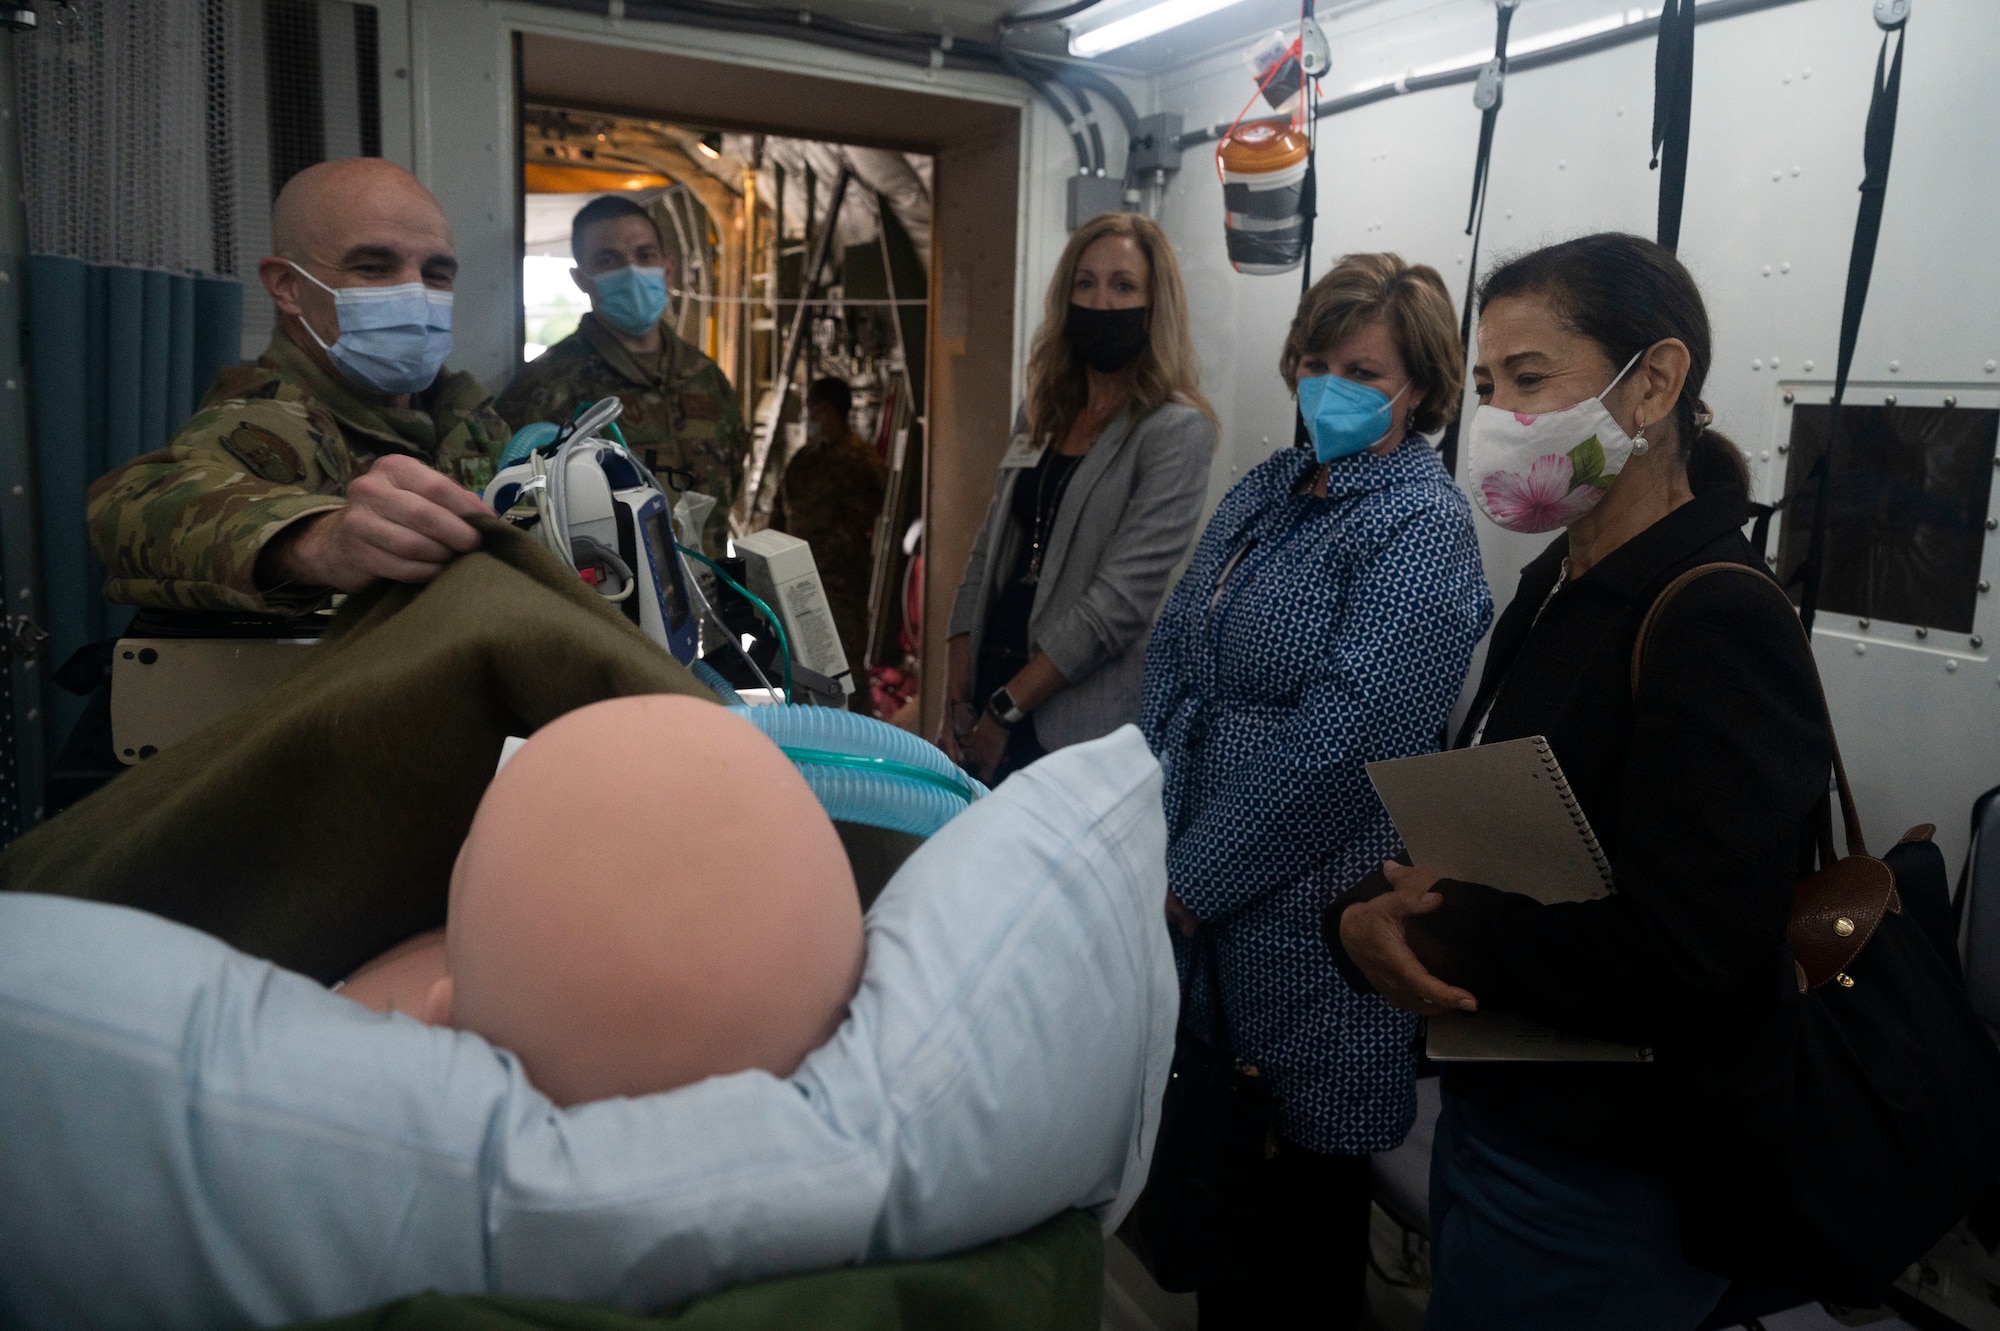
(1500, 814)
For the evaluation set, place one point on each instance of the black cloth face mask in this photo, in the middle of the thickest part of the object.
(1107, 340)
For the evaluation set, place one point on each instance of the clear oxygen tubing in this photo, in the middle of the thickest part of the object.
(708, 612)
(867, 771)
(777, 625)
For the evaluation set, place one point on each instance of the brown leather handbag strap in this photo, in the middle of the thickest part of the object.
(1852, 820)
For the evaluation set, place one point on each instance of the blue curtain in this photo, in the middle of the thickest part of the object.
(117, 360)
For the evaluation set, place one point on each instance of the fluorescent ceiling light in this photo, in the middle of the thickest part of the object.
(1576, 32)
(1141, 24)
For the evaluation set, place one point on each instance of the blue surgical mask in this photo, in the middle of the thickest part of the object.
(1343, 417)
(633, 299)
(392, 339)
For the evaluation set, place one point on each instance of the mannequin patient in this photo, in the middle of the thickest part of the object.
(650, 894)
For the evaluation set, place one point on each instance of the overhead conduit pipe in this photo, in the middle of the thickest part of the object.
(1642, 30)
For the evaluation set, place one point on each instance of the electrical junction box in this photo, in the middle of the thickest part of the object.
(1156, 147)
(1091, 196)
(780, 569)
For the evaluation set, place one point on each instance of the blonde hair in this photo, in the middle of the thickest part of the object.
(1412, 298)
(1166, 371)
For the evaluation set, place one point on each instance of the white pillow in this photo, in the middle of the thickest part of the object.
(192, 1138)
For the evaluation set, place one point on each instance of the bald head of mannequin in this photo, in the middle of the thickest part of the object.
(650, 894)
(359, 221)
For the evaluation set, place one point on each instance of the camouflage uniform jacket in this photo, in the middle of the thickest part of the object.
(681, 413)
(274, 441)
(831, 498)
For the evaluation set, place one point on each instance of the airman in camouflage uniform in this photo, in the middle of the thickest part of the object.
(311, 471)
(680, 411)
(831, 498)
(273, 441)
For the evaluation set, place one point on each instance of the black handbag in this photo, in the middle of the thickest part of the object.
(1830, 1143)
(1200, 1221)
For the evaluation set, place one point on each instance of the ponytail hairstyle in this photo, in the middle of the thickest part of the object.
(1626, 293)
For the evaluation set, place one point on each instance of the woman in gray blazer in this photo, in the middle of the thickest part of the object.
(1098, 500)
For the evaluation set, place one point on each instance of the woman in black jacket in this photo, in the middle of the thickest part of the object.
(1550, 1208)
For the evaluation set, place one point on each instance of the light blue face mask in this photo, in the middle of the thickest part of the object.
(632, 299)
(1343, 417)
(392, 339)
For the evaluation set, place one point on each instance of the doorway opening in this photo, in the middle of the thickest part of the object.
(826, 240)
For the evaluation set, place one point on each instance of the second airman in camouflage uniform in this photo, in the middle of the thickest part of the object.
(680, 411)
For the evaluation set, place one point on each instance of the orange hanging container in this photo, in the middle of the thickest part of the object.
(1263, 169)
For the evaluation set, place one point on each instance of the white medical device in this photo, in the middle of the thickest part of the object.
(781, 570)
(591, 503)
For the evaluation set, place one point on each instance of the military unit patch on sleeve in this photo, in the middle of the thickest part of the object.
(265, 454)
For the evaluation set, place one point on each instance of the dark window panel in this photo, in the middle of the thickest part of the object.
(1906, 520)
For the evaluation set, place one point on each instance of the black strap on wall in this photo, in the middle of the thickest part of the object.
(1301, 438)
(1876, 144)
(1673, 101)
(1308, 205)
(1475, 222)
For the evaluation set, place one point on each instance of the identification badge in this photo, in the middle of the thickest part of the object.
(1022, 452)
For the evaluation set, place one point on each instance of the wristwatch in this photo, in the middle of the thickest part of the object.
(1002, 708)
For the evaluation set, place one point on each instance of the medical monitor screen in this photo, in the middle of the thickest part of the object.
(666, 570)
(1906, 521)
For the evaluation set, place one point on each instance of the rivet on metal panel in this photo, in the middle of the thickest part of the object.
(1767, 270)
(1888, 399)
(1774, 362)
(1795, 168)
(1950, 401)
(1861, 624)
(1894, 366)
(1756, 364)
(1951, 667)
(1991, 524)
(1861, 649)
(1764, 456)
(1923, 632)
(1808, 367)
(34, 712)
(1784, 448)
(1777, 175)
(1984, 586)
(1992, 365)
(1976, 641)
(1784, 268)
(1790, 397)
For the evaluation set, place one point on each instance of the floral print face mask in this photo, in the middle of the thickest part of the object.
(1537, 473)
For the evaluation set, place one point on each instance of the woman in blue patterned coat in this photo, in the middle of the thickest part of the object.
(1327, 620)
